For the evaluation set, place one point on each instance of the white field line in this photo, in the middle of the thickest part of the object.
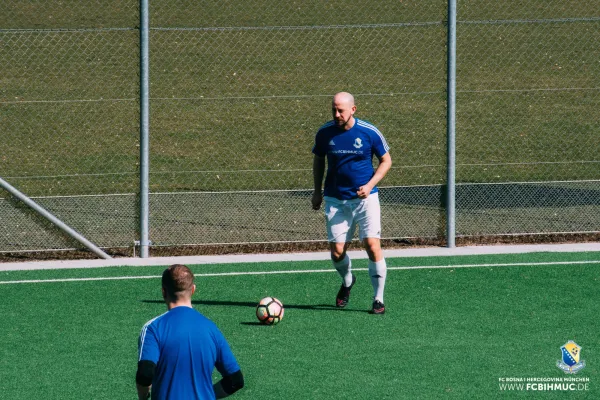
(306, 271)
(291, 257)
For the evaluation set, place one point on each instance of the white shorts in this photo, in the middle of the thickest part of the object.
(342, 217)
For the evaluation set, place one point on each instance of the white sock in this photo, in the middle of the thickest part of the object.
(378, 273)
(344, 268)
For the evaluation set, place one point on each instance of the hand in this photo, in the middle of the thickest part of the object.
(364, 191)
(317, 199)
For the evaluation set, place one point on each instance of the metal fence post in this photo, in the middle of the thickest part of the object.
(451, 132)
(50, 217)
(144, 127)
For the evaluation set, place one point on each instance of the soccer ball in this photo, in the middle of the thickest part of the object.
(269, 311)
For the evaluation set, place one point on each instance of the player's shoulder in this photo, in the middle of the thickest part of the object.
(153, 321)
(366, 125)
(373, 132)
(326, 126)
(192, 316)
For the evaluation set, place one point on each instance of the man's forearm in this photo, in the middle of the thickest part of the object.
(318, 172)
(143, 391)
(382, 169)
(229, 385)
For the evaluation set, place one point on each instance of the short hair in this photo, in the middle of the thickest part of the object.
(177, 280)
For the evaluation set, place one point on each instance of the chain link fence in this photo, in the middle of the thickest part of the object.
(238, 90)
(528, 83)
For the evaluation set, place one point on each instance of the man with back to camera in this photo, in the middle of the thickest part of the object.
(351, 195)
(179, 349)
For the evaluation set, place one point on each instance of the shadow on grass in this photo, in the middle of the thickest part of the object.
(318, 307)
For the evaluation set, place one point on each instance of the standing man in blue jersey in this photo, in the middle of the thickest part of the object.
(179, 349)
(351, 195)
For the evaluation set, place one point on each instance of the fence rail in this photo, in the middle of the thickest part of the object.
(238, 89)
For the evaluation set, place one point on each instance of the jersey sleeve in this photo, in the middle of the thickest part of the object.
(226, 363)
(148, 347)
(380, 146)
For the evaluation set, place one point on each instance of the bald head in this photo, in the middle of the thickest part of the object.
(343, 98)
(342, 109)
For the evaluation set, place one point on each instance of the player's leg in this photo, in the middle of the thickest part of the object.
(377, 270)
(340, 229)
(369, 222)
(341, 261)
(343, 264)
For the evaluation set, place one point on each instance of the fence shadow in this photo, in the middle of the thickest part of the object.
(253, 304)
(494, 196)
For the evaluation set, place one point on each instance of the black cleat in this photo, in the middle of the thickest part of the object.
(378, 308)
(341, 300)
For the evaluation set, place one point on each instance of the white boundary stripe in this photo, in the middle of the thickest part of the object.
(315, 256)
(107, 278)
(306, 271)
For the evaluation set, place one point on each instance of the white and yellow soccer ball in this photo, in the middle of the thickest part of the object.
(269, 311)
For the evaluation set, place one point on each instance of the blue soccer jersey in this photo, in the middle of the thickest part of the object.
(349, 156)
(185, 346)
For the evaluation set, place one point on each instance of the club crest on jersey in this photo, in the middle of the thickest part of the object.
(358, 143)
(570, 363)
(331, 142)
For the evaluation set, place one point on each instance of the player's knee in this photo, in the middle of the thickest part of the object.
(337, 256)
(374, 255)
(338, 251)
(373, 248)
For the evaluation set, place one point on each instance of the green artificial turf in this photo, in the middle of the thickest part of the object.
(448, 332)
